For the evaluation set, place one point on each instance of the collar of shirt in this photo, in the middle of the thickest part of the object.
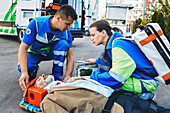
(59, 33)
(47, 25)
(115, 35)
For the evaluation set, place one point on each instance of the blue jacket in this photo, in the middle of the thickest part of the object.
(42, 44)
(127, 68)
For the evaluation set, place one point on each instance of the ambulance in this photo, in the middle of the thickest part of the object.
(16, 14)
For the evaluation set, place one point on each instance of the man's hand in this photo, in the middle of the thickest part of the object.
(91, 61)
(24, 77)
(22, 58)
(70, 64)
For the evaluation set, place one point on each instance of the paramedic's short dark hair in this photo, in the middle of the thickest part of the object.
(65, 11)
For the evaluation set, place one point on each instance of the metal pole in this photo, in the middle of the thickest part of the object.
(144, 8)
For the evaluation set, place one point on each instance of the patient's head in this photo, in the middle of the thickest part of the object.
(43, 80)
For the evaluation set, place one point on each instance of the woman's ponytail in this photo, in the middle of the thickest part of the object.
(116, 29)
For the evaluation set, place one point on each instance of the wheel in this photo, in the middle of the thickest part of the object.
(20, 34)
(87, 33)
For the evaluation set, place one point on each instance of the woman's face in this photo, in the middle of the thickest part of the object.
(96, 37)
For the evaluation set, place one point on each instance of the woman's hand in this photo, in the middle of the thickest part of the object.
(66, 78)
(91, 61)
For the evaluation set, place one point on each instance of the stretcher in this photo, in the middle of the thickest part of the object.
(29, 107)
(32, 97)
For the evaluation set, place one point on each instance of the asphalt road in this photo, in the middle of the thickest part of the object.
(10, 92)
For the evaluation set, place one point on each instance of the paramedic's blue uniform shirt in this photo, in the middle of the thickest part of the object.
(45, 45)
(30, 33)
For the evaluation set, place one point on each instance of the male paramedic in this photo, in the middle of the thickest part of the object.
(47, 38)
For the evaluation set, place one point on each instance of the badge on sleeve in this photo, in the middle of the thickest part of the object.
(28, 31)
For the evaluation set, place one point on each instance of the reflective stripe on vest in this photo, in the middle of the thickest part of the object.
(132, 85)
(41, 39)
(118, 77)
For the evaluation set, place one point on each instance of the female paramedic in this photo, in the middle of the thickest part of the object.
(122, 65)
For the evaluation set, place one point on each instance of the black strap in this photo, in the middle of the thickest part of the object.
(157, 45)
(160, 38)
(150, 74)
(110, 102)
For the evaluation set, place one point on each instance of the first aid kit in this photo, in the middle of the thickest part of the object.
(155, 44)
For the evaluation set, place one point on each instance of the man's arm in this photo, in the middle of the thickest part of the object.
(70, 64)
(22, 58)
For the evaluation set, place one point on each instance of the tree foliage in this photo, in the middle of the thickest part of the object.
(160, 19)
(154, 17)
(167, 28)
(165, 7)
(137, 23)
(160, 14)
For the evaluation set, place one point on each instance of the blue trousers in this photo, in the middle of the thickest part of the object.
(57, 53)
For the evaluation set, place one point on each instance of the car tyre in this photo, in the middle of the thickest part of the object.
(20, 35)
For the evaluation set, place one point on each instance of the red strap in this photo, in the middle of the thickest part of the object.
(151, 62)
(28, 85)
(166, 76)
(150, 38)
